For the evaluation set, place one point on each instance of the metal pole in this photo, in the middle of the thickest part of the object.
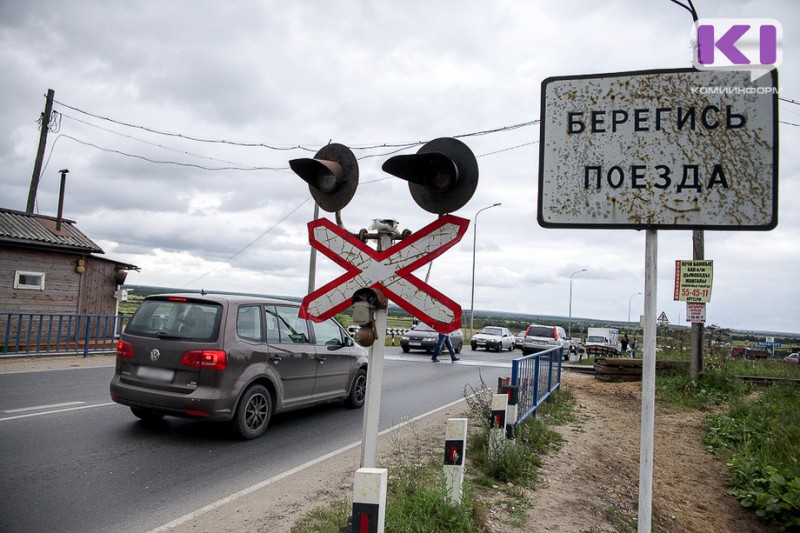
(648, 383)
(372, 404)
(474, 241)
(629, 306)
(312, 263)
(569, 326)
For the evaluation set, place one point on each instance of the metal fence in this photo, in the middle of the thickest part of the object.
(56, 334)
(536, 376)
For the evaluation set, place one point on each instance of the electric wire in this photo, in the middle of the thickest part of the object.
(268, 230)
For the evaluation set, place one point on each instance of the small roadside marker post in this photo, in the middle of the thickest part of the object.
(497, 435)
(369, 500)
(512, 409)
(455, 447)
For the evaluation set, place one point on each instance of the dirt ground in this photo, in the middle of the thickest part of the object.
(590, 484)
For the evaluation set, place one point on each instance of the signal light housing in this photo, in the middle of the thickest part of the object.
(332, 176)
(442, 175)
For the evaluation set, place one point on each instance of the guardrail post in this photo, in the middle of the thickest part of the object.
(369, 500)
(86, 336)
(455, 448)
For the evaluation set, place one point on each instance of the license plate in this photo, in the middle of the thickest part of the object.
(164, 375)
(412, 343)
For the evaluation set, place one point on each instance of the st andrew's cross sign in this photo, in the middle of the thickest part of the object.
(389, 271)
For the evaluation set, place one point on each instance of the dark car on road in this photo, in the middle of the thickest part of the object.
(233, 358)
(424, 337)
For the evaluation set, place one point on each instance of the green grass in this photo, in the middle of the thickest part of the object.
(758, 438)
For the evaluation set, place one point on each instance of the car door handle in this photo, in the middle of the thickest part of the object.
(321, 358)
(275, 358)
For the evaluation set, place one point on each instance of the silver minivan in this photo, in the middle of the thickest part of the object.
(539, 337)
(233, 358)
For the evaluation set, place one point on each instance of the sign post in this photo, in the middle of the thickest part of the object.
(659, 149)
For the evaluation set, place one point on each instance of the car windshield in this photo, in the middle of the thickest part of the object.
(422, 327)
(541, 331)
(492, 331)
(176, 318)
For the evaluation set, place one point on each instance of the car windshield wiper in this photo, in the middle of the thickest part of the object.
(167, 336)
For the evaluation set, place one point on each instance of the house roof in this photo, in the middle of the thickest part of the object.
(27, 229)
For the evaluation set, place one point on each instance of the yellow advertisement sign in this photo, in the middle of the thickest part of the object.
(693, 280)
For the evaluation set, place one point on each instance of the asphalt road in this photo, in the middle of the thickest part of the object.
(72, 461)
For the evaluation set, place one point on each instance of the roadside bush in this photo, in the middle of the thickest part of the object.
(758, 440)
(417, 498)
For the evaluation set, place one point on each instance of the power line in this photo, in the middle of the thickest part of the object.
(161, 162)
(228, 260)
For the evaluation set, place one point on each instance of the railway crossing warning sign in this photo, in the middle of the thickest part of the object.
(390, 271)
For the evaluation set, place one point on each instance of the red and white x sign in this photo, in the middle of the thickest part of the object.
(389, 271)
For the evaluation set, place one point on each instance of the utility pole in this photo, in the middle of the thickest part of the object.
(37, 166)
(696, 338)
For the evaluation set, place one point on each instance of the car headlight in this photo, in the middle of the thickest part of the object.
(404, 337)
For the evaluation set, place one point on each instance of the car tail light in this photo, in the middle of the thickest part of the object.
(195, 412)
(175, 299)
(555, 333)
(209, 359)
(124, 350)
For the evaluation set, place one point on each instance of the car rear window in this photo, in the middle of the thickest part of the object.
(176, 319)
(492, 331)
(541, 331)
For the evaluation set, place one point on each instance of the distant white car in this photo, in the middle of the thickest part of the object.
(792, 358)
(493, 338)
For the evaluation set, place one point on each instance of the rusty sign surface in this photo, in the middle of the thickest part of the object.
(389, 271)
(663, 149)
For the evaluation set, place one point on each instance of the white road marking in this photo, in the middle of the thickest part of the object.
(40, 407)
(30, 415)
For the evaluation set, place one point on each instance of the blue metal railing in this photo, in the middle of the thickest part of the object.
(536, 376)
(52, 333)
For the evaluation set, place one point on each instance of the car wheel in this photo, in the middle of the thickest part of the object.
(473, 346)
(254, 412)
(460, 347)
(511, 347)
(406, 349)
(146, 414)
(358, 393)
(526, 352)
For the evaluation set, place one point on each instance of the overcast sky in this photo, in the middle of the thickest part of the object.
(278, 80)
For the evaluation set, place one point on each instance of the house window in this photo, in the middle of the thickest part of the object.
(29, 280)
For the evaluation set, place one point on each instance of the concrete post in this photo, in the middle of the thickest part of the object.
(455, 448)
(369, 500)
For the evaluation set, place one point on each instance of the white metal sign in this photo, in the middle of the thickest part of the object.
(662, 149)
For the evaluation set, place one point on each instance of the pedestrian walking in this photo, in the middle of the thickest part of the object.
(624, 343)
(444, 339)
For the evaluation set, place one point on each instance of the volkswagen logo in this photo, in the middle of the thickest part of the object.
(155, 354)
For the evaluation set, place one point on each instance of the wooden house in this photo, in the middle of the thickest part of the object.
(47, 265)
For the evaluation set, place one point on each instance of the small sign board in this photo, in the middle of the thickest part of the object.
(696, 312)
(659, 149)
(693, 280)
